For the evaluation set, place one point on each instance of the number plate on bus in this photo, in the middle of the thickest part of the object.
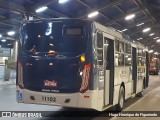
(49, 99)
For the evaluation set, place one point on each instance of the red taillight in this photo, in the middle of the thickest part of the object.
(86, 96)
(20, 74)
(85, 78)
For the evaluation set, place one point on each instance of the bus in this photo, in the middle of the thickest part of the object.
(154, 65)
(79, 64)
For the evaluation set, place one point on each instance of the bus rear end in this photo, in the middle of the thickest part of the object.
(154, 66)
(54, 67)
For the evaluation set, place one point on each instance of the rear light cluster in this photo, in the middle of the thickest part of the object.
(20, 74)
(85, 78)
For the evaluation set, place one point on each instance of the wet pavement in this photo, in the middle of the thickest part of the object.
(150, 102)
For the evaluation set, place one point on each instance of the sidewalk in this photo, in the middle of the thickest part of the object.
(7, 76)
(150, 102)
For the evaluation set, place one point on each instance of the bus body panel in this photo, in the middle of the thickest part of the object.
(57, 79)
(116, 94)
(75, 100)
(33, 97)
(124, 74)
(52, 74)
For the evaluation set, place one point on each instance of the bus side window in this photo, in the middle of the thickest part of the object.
(139, 58)
(116, 59)
(116, 45)
(121, 47)
(116, 52)
(99, 40)
(143, 62)
(139, 52)
(127, 55)
(127, 48)
(119, 53)
(143, 53)
(119, 59)
(128, 60)
(139, 61)
(100, 48)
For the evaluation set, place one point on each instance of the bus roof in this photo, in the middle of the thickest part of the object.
(120, 36)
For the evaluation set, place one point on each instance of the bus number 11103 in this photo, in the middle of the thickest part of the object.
(50, 99)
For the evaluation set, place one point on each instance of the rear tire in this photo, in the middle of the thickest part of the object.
(121, 100)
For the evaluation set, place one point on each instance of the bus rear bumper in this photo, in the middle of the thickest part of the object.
(153, 71)
(86, 100)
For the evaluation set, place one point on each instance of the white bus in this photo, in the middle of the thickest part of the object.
(78, 63)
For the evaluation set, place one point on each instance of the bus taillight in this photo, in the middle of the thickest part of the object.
(20, 74)
(85, 78)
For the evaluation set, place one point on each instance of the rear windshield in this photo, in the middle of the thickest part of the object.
(54, 37)
(73, 31)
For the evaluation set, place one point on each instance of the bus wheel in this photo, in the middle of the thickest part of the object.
(120, 104)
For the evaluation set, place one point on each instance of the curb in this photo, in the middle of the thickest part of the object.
(8, 83)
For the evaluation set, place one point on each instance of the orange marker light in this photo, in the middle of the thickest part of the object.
(83, 58)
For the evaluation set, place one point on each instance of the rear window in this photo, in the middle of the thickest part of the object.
(46, 37)
(73, 31)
